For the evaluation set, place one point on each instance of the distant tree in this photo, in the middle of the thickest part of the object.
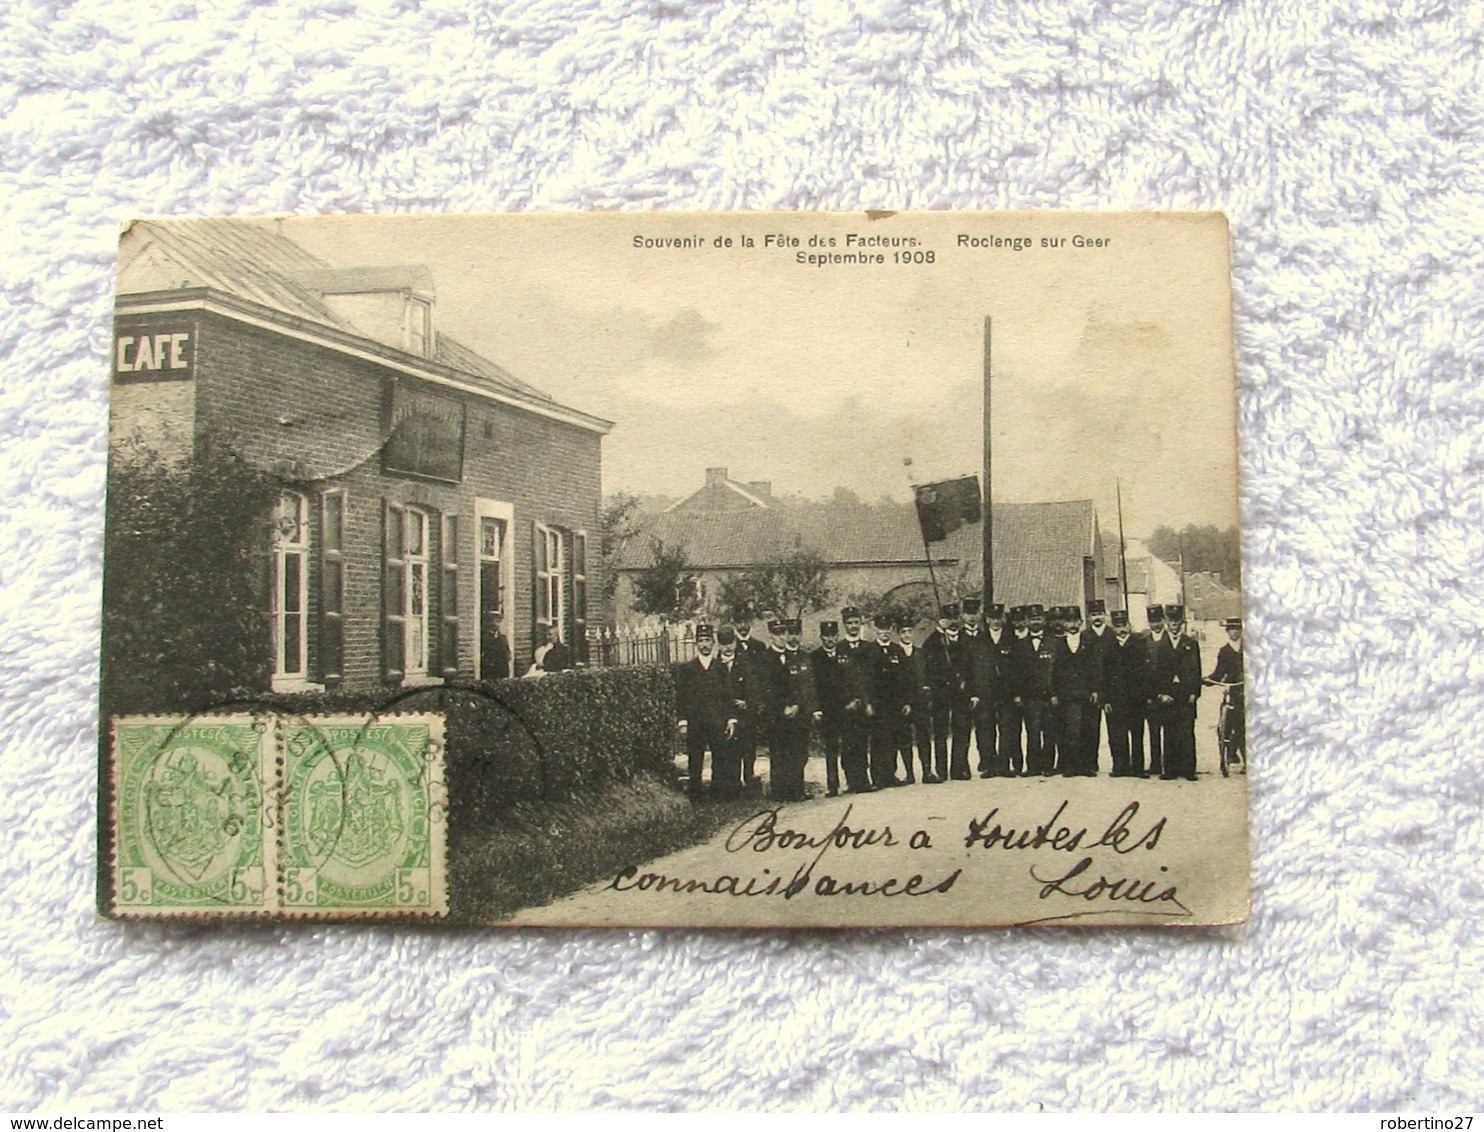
(666, 587)
(618, 522)
(787, 585)
(737, 601)
(1203, 547)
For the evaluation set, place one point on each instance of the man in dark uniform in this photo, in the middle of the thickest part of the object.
(1126, 694)
(1154, 712)
(791, 709)
(942, 676)
(751, 652)
(495, 656)
(1177, 686)
(993, 759)
(738, 680)
(856, 744)
(838, 698)
(1076, 690)
(1054, 630)
(706, 716)
(1228, 674)
(1030, 686)
(917, 724)
(1012, 719)
(1099, 636)
(962, 723)
(889, 705)
(979, 685)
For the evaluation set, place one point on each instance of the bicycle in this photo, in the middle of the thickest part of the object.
(1231, 727)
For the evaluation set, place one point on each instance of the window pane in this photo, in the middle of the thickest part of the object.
(293, 577)
(418, 590)
(416, 532)
(293, 643)
(491, 538)
(288, 520)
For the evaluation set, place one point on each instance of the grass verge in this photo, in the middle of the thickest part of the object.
(540, 851)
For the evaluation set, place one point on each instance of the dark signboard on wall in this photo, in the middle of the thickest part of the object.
(426, 435)
(154, 351)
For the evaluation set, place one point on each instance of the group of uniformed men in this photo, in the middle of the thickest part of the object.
(1033, 691)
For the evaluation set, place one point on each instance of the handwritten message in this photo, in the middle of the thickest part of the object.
(1069, 866)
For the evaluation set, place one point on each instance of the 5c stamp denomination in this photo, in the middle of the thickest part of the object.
(324, 816)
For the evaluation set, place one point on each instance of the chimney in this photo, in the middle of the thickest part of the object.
(760, 487)
(716, 477)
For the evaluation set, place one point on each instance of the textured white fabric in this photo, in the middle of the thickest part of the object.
(1346, 140)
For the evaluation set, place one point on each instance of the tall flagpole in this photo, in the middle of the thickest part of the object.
(1122, 547)
(987, 528)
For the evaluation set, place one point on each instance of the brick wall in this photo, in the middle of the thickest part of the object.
(318, 418)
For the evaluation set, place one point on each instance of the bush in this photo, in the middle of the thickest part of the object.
(185, 579)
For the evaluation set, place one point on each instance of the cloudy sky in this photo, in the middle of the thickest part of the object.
(1109, 363)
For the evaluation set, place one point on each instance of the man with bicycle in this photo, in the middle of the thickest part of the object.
(1228, 675)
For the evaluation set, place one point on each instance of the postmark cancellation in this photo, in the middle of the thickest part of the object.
(268, 814)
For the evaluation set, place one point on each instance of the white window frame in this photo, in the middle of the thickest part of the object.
(414, 667)
(504, 512)
(555, 579)
(417, 327)
(291, 542)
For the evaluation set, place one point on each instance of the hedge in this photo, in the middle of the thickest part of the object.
(514, 741)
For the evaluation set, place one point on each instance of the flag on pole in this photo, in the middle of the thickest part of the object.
(944, 507)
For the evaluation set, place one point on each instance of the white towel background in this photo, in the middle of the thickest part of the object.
(1346, 141)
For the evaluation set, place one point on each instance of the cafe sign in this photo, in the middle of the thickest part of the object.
(149, 354)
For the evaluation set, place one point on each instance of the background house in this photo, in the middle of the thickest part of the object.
(429, 501)
(1051, 553)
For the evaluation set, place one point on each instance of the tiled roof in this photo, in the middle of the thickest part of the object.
(251, 260)
(1039, 547)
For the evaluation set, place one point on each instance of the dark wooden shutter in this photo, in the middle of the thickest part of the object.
(394, 594)
(448, 600)
(579, 595)
(540, 577)
(332, 589)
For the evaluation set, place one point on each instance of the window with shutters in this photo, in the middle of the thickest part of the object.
(420, 601)
(491, 624)
(291, 592)
(415, 587)
(557, 595)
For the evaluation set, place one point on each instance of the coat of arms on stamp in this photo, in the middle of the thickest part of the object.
(190, 816)
(330, 816)
(363, 816)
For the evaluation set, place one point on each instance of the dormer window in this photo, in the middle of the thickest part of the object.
(419, 328)
(390, 305)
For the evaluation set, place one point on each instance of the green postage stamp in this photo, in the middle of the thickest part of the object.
(320, 816)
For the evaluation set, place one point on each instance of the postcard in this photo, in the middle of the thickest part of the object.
(760, 570)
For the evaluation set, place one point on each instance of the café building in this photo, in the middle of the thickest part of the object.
(434, 511)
